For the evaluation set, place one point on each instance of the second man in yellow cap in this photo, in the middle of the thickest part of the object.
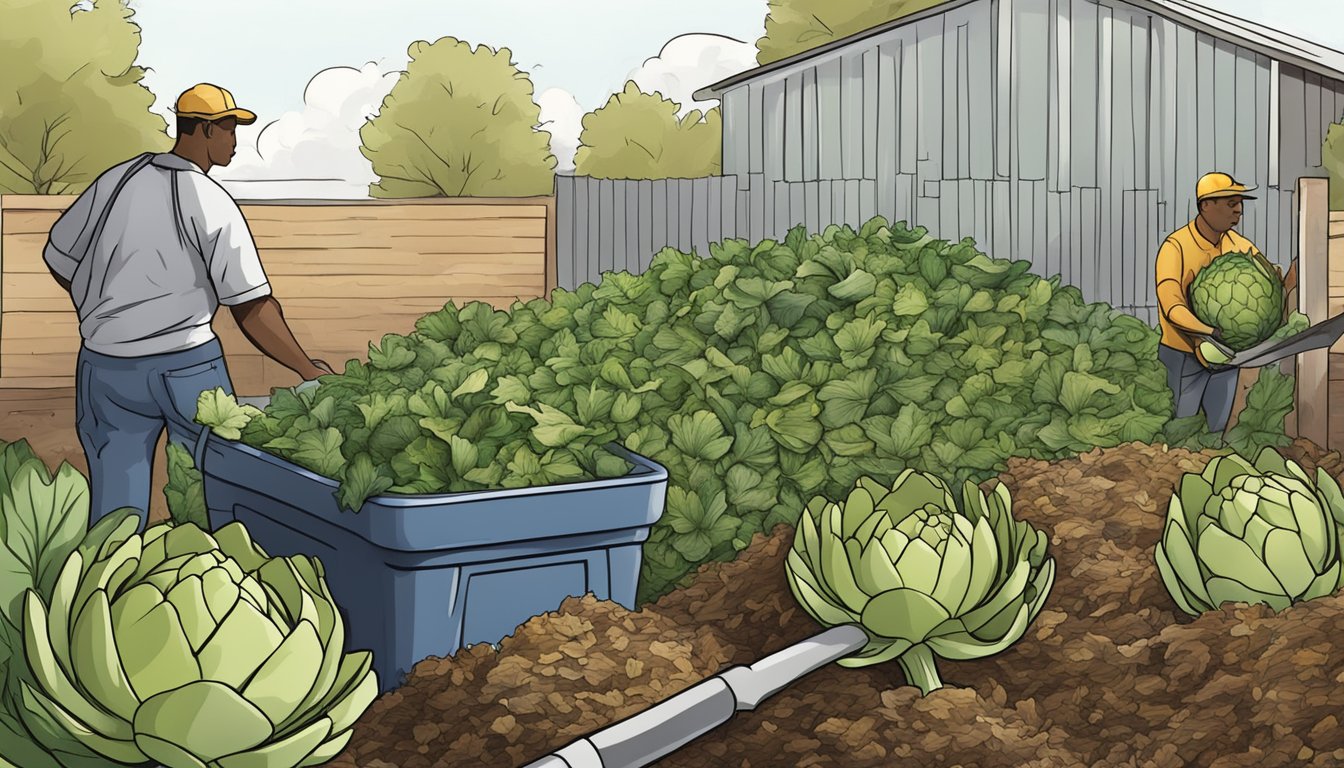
(1219, 199)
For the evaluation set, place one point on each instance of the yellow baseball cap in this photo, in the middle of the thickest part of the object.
(1220, 185)
(210, 102)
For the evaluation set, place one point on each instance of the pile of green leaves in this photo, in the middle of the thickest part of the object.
(418, 418)
(760, 376)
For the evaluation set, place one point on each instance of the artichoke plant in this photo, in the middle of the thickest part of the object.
(919, 575)
(192, 650)
(1253, 533)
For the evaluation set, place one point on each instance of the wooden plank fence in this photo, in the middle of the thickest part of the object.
(345, 272)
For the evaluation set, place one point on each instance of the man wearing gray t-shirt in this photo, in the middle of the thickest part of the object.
(148, 253)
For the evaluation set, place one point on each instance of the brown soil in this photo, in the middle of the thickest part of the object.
(1110, 673)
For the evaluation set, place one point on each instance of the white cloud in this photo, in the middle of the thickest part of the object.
(314, 152)
(690, 62)
(562, 116)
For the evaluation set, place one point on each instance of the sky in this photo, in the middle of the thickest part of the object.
(577, 52)
(315, 70)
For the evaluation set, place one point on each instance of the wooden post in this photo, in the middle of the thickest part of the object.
(552, 245)
(1313, 297)
(1289, 366)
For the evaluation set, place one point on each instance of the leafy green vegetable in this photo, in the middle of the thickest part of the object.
(760, 376)
(44, 518)
(1263, 532)
(922, 576)
(222, 413)
(185, 490)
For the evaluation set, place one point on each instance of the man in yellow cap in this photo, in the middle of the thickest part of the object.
(148, 253)
(1182, 255)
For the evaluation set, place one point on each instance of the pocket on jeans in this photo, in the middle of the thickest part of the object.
(83, 384)
(185, 385)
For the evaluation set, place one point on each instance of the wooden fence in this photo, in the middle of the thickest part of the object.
(1319, 404)
(349, 272)
(345, 273)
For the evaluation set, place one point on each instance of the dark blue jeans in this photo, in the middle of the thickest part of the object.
(122, 406)
(1193, 385)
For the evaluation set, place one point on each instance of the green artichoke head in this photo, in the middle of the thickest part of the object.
(1239, 295)
(194, 650)
(1253, 533)
(921, 576)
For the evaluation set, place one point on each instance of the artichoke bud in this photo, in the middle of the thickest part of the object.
(921, 576)
(1243, 532)
(189, 649)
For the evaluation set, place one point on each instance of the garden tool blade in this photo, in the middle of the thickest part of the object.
(1319, 336)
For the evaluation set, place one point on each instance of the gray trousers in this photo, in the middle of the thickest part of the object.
(1192, 386)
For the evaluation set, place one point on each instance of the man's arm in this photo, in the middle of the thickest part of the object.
(63, 250)
(262, 321)
(1171, 297)
(240, 282)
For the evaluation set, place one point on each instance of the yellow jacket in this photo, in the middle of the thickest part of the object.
(1182, 255)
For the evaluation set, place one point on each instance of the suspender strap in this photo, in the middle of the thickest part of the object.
(140, 162)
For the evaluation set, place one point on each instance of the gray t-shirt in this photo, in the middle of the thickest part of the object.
(152, 283)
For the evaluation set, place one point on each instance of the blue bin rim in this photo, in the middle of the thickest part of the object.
(646, 472)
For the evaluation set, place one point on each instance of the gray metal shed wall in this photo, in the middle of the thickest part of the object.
(1068, 133)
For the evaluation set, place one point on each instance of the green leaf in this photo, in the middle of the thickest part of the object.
(510, 388)
(554, 429)
(222, 414)
(1079, 390)
(475, 382)
(910, 301)
(391, 436)
(795, 427)
(904, 435)
(856, 340)
(857, 286)
(753, 447)
(700, 526)
(787, 308)
(185, 489)
(845, 401)
(320, 452)
(393, 354)
(747, 490)
(700, 435)
(615, 324)
(362, 481)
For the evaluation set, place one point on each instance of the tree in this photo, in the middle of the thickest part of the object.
(794, 26)
(72, 104)
(1332, 157)
(459, 122)
(638, 135)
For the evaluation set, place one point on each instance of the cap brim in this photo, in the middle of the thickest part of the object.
(243, 116)
(1231, 193)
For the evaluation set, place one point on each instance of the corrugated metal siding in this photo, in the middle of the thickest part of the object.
(1067, 133)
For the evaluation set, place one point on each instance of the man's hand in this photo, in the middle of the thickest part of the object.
(263, 323)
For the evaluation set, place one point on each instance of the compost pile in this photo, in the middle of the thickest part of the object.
(1111, 673)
